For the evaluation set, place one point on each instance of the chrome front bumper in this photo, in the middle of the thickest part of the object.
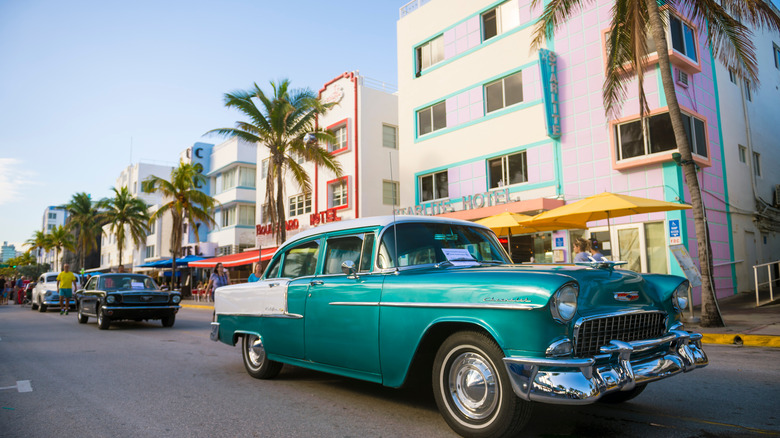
(583, 381)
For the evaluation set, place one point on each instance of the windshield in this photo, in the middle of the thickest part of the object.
(126, 283)
(427, 243)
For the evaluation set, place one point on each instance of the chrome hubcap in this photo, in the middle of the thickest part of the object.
(473, 387)
(255, 351)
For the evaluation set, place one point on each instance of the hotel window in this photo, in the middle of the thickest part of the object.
(150, 251)
(683, 37)
(507, 170)
(757, 163)
(298, 158)
(337, 194)
(390, 193)
(748, 96)
(389, 136)
(227, 180)
(152, 228)
(776, 53)
(434, 186)
(429, 54)
(246, 177)
(432, 118)
(657, 136)
(742, 154)
(264, 168)
(500, 19)
(246, 215)
(341, 139)
(50, 227)
(52, 216)
(732, 76)
(228, 216)
(300, 204)
(504, 92)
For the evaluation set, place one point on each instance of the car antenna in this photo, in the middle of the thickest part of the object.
(395, 225)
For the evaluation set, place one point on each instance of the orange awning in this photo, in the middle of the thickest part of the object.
(230, 260)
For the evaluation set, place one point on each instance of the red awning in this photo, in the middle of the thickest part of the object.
(242, 258)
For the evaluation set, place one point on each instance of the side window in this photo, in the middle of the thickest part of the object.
(301, 260)
(273, 269)
(368, 252)
(341, 249)
(92, 285)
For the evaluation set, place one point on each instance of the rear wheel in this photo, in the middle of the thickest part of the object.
(33, 306)
(103, 321)
(622, 396)
(472, 388)
(256, 362)
(82, 317)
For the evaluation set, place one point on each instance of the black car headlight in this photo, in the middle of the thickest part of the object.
(111, 299)
(680, 297)
(176, 299)
(563, 304)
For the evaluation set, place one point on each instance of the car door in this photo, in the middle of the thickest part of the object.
(342, 311)
(88, 298)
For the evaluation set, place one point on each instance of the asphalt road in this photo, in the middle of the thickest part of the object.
(59, 379)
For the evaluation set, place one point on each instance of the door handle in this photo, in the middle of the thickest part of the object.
(316, 282)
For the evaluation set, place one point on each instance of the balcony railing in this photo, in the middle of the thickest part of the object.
(411, 7)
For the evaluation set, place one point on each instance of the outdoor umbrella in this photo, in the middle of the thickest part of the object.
(602, 206)
(504, 222)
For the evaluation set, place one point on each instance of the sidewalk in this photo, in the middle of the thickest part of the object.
(746, 324)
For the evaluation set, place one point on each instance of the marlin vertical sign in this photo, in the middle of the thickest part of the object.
(548, 66)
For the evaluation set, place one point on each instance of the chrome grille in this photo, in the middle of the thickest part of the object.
(594, 333)
(139, 299)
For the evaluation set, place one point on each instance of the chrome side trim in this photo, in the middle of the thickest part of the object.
(255, 315)
(504, 306)
(142, 308)
(354, 303)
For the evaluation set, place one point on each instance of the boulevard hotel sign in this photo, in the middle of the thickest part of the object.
(469, 202)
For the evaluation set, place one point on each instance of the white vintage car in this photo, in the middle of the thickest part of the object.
(45, 292)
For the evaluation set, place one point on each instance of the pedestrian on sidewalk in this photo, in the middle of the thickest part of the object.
(256, 273)
(3, 292)
(218, 279)
(581, 253)
(65, 282)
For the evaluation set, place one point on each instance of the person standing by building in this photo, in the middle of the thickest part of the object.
(257, 272)
(2, 290)
(594, 250)
(218, 279)
(65, 282)
(581, 253)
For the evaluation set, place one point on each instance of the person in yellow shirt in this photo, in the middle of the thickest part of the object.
(65, 282)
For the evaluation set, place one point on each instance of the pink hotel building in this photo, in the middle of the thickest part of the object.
(479, 132)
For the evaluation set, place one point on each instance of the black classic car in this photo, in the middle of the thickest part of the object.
(114, 297)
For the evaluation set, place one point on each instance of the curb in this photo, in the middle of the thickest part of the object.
(197, 306)
(740, 339)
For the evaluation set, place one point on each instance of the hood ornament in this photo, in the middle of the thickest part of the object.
(626, 296)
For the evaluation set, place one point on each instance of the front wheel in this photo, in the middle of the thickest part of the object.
(103, 321)
(256, 362)
(167, 321)
(472, 388)
(41, 307)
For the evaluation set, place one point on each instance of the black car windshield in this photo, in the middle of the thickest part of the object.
(126, 283)
(427, 243)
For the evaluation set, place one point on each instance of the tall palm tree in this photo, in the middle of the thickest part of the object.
(124, 214)
(85, 222)
(38, 242)
(627, 53)
(185, 203)
(285, 123)
(60, 239)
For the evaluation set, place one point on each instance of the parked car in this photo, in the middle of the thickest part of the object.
(390, 300)
(45, 292)
(114, 297)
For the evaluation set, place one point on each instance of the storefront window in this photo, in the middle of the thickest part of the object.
(628, 241)
(532, 248)
(655, 239)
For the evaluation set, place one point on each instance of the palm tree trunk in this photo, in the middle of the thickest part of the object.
(710, 317)
(280, 203)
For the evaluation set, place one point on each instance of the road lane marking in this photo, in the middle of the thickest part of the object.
(21, 386)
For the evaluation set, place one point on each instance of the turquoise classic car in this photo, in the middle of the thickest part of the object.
(390, 300)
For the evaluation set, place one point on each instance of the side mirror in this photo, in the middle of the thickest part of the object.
(349, 268)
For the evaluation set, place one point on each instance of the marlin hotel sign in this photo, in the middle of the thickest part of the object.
(469, 202)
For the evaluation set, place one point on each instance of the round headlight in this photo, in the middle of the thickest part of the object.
(176, 299)
(563, 304)
(110, 299)
(680, 297)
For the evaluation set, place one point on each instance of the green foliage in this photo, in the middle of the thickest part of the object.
(34, 270)
(125, 214)
(84, 221)
(60, 239)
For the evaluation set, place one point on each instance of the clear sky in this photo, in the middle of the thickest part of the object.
(80, 79)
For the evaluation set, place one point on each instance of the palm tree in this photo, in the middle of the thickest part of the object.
(60, 239)
(125, 213)
(627, 52)
(84, 221)
(285, 123)
(185, 203)
(38, 242)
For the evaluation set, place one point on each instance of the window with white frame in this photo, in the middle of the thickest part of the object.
(732, 76)
(52, 216)
(500, 19)
(432, 118)
(228, 216)
(434, 186)
(337, 194)
(152, 227)
(429, 54)
(683, 37)
(742, 154)
(389, 136)
(246, 215)
(228, 179)
(298, 158)
(264, 168)
(50, 227)
(390, 193)
(149, 251)
(247, 176)
(635, 140)
(341, 139)
(300, 204)
(757, 163)
(507, 170)
(504, 92)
